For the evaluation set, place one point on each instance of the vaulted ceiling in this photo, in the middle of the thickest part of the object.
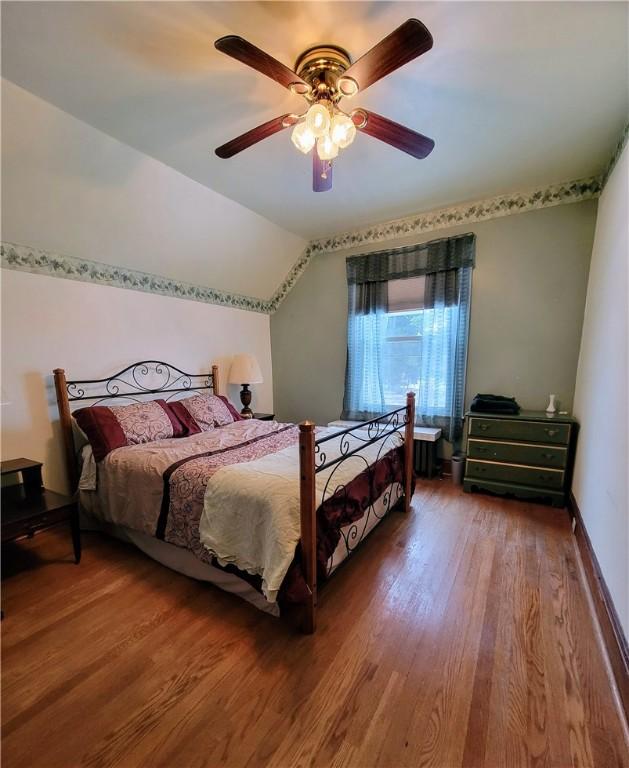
(515, 95)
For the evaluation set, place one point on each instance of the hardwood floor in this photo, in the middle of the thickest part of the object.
(457, 636)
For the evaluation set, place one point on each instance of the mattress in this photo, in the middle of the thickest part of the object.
(159, 494)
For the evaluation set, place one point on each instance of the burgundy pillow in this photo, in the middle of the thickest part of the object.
(235, 415)
(202, 413)
(183, 416)
(116, 426)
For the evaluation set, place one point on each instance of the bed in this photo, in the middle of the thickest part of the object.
(265, 510)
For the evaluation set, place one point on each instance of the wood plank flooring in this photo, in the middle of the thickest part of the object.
(457, 636)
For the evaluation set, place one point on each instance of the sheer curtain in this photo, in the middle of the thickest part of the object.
(416, 344)
(364, 383)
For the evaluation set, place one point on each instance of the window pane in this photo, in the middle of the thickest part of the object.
(405, 366)
(404, 324)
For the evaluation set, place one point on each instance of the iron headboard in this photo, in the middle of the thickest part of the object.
(134, 383)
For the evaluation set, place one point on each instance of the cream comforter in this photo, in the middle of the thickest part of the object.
(251, 513)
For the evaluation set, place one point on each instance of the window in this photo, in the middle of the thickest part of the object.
(404, 336)
(407, 331)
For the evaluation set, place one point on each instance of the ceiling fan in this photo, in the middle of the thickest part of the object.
(324, 75)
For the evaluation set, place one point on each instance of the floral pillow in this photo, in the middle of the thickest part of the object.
(116, 426)
(201, 413)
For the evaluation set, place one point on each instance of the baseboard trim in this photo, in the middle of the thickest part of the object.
(611, 629)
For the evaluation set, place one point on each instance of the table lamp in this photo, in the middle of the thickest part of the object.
(245, 368)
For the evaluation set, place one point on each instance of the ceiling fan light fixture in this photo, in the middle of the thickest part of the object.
(323, 75)
(318, 119)
(347, 86)
(303, 138)
(299, 89)
(342, 130)
(326, 148)
(359, 118)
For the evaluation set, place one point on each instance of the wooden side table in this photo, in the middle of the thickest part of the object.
(28, 507)
(264, 416)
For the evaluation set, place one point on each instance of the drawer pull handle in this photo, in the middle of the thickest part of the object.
(484, 427)
(548, 456)
(550, 432)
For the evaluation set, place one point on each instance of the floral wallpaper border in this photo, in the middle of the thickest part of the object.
(622, 143)
(25, 259)
(480, 210)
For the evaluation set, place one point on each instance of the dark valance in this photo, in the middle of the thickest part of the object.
(412, 260)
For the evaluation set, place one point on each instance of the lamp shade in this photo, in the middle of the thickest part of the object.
(245, 370)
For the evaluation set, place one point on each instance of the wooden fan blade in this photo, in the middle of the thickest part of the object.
(408, 41)
(321, 173)
(396, 135)
(248, 54)
(255, 135)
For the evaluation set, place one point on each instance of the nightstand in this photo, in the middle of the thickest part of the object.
(264, 416)
(28, 507)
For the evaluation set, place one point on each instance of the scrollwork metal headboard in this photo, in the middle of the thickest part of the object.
(148, 377)
(133, 383)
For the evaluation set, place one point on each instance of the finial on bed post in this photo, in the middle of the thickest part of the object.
(215, 382)
(307, 504)
(65, 417)
(409, 450)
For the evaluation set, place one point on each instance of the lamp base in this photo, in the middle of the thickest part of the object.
(245, 399)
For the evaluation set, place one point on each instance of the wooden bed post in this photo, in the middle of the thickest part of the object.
(66, 426)
(308, 519)
(216, 389)
(409, 450)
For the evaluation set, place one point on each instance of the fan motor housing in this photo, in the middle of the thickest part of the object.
(321, 67)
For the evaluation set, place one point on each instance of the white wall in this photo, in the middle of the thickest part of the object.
(73, 190)
(601, 479)
(70, 189)
(92, 331)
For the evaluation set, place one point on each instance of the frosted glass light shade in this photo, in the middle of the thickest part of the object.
(318, 119)
(326, 148)
(245, 370)
(303, 138)
(342, 130)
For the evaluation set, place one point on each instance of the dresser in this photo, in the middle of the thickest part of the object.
(529, 456)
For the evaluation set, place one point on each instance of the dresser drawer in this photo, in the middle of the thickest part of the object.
(515, 473)
(518, 453)
(512, 429)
